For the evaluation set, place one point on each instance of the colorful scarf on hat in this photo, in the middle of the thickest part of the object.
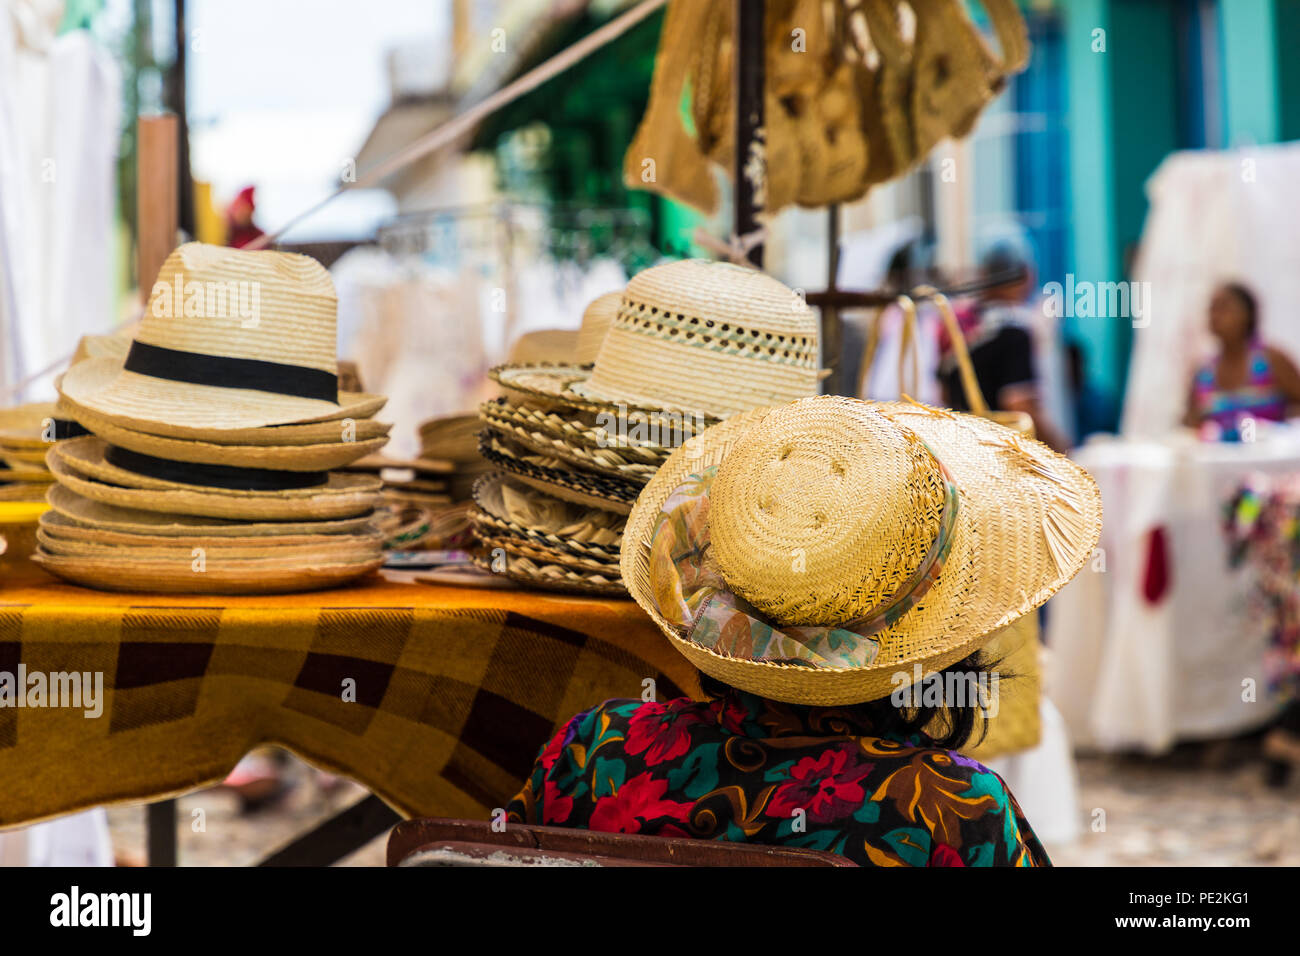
(692, 595)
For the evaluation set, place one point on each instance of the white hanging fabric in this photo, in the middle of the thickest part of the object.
(59, 127)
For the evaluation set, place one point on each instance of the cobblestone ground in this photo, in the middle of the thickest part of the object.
(1197, 807)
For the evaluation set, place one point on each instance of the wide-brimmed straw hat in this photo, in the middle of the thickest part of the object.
(82, 465)
(554, 477)
(270, 436)
(318, 457)
(272, 574)
(59, 527)
(818, 552)
(229, 339)
(502, 508)
(99, 515)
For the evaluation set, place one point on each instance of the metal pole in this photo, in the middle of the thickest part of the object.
(751, 163)
(832, 336)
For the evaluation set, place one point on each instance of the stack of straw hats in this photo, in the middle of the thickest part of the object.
(685, 345)
(213, 463)
(26, 433)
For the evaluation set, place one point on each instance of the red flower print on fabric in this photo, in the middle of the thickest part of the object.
(637, 802)
(826, 787)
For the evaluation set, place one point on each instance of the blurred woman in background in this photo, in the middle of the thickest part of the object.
(1247, 380)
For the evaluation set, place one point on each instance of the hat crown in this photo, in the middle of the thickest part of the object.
(825, 512)
(272, 306)
(707, 336)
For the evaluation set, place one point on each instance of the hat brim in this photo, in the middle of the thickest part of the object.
(1000, 566)
(91, 513)
(185, 410)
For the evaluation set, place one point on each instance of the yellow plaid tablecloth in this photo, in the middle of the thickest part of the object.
(454, 688)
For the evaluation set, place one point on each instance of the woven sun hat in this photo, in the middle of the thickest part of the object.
(550, 577)
(708, 337)
(319, 457)
(505, 507)
(31, 428)
(555, 477)
(84, 420)
(86, 466)
(58, 526)
(543, 346)
(830, 551)
(229, 339)
(450, 438)
(219, 574)
(596, 321)
(89, 513)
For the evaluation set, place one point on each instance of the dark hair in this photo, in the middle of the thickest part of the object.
(948, 726)
(1248, 302)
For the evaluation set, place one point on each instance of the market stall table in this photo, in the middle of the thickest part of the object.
(434, 697)
(1147, 649)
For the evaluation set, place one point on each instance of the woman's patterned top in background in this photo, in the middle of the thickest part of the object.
(1259, 398)
(740, 767)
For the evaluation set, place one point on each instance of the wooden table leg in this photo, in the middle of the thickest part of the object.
(161, 826)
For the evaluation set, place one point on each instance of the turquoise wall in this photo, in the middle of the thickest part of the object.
(1124, 106)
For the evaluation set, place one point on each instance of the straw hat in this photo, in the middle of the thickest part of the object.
(275, 436)
(87, 513)
(552, 476)
(23, 427)
(57, 525)
(502, 508)
(452, 438)
(847, 541)
(691, 338)
(221, 575)
(596, 322)
(229, 339)
(322, 457)
(545, 345)
(710, 337)
(551, 577)
(81, 465)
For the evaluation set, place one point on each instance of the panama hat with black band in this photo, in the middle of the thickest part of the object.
(229, 339)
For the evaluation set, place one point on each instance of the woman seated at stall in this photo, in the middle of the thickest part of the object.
(1247, 380)
(833, 567)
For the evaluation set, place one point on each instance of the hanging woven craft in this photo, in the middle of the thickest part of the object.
(856, 92)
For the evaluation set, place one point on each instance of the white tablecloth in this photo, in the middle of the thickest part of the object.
(1129, 674)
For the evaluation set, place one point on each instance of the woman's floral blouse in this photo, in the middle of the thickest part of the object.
(740, 767)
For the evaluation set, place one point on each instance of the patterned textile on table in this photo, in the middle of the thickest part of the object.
(742, 768)
(1262, 524)
(433, 697)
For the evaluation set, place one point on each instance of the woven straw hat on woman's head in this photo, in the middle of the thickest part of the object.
(817, 552)
(707, 337)
(229, 339)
